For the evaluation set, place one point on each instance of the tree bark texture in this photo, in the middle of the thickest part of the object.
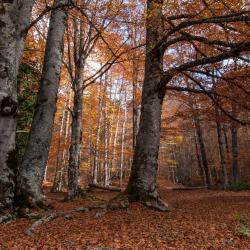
(203, 151)
(235, 152)
(142, 182)
(222, 148)
(31, 172)
(74, 188)
(14, 18)
(8, 102)
(75, 147)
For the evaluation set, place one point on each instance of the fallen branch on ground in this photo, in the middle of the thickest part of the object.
(189, 188)
(108, 188)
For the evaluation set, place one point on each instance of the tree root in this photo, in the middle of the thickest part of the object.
(23, 204)
(39, 222)
(154, 202)
(157, 204)
(81, 194)
(101, 209)
(120, 202)
(7, 218)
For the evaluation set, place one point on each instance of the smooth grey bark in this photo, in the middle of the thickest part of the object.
(135, 107)
(8, 102)
(55, 187)
(106, 134)
(23, 16)
(32, 169)
(74, 189)
(221, 148)
(123, 138)
(142, 182)
(14, 18)
(96, 157)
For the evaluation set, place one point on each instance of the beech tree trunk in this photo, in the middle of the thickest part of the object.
(74, 188)
(61, 140)
(106, 139)
(75, 147)
(8, 102)
(14, 19)
(203, 151)
(123, 139)
(221, 149)
(98, 132)
(31, 172)
(235, 165)
(142, 182)
(201, 169)
(114, 157)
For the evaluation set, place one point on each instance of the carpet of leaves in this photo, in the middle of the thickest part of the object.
(201, 219)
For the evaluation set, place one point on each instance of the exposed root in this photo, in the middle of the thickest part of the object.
(100, 209)
(39, 222)
(120, 202)
(157, 204)
(7, 218)
(81, 194)
(151, 201)
(24, 204)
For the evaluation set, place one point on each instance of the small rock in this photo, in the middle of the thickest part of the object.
(82, 209)
(99, 214)
(68, 217)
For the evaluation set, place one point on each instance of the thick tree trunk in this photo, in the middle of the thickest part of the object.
(142, 182)
(14, 19)
(8, 103)
(31, 172)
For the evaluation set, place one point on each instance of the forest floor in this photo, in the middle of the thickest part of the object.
(201, 219)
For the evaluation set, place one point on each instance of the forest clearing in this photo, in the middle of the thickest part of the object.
(124, 124)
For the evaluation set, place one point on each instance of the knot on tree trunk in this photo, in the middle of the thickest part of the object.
(8, 106)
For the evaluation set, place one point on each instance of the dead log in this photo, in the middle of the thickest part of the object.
(108, 188)
(189, 188)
